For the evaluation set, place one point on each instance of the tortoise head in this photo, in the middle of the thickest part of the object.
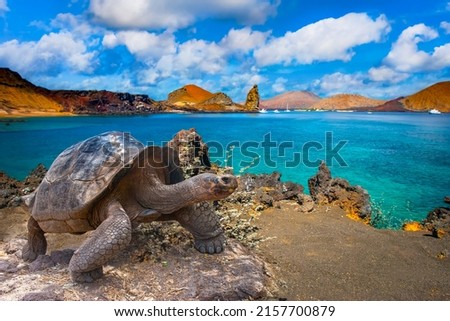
(214, 187)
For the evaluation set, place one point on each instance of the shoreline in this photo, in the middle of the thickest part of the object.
(4, 117)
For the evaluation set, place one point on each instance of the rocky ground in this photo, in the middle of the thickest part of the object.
(282, 245)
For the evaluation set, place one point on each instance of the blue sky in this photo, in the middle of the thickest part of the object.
(377, 48)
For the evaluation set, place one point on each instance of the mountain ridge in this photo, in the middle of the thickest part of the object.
(19, 97)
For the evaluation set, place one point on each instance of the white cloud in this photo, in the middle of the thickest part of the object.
(243, 40)
(146, 46)
(157, 14)
(279, 85)
(446, 26)
(166, 58)
(238, 84)
(75, 24)
(337, 82)
(405, 55)
(326, 40)
(53, 52)
(3, 7)
(386, 74)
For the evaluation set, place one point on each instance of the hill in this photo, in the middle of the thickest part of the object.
(346, 101)
(292, 99)
(436, 96)
(194, 98)
(20, 97)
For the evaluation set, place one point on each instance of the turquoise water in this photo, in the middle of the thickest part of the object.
(402, 159)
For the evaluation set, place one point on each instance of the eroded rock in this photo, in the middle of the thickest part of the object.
(438, 221)
(252, 101)
(324, 189)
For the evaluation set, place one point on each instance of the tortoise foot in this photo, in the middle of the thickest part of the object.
(28, 255)
(87, 277)
(211, 245)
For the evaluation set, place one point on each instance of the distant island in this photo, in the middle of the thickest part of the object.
(19, 97)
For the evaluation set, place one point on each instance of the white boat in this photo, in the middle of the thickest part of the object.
(276, 111)
(287, 108)
(262, 111)
(434, 111)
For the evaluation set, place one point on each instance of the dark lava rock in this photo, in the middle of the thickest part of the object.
(447, 199)
(62, 257)
(46, 261)
(324, 189)
(192, 152)
(50, 293)
(438, 221)
(11, 190)
(8, 267)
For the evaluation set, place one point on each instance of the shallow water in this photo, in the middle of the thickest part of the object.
(402, 159)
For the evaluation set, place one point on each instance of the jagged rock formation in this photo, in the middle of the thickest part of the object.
(19, 97)
(104, 102)
(327, 190)
(192, 152)
(438, 220)
(11, 190)
(252, 101)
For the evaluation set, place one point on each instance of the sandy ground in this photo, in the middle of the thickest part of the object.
(322, 255)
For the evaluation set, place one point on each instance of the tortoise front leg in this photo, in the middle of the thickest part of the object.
(110, 237)
(36, 244)
(204, 224)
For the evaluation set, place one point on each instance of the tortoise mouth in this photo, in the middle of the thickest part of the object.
(224, 185)
(228, 181)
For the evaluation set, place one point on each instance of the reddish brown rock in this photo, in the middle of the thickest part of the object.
(252, 102)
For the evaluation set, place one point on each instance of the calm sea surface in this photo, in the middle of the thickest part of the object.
(402, 159)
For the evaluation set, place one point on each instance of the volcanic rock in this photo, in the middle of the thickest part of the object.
(12, 190)
(192, 152)
(438, 221)
(252, 102)
(324, 189)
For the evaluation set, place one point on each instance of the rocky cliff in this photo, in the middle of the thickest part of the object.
(252, 101)
(19, 97)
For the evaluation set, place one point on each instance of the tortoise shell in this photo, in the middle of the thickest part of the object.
(79, 176)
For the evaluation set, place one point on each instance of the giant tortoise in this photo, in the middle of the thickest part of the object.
(108, 181)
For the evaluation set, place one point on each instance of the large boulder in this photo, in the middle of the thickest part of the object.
(192, 152)
(267, 189)
(438, 220)
(324, 189)
(252, 102)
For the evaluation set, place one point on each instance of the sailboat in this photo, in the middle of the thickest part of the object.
(287, 108)
(262, 111)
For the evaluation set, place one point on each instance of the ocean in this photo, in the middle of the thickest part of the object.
(402, 159)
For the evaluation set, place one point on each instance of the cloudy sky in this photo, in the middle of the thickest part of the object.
(377, 48)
